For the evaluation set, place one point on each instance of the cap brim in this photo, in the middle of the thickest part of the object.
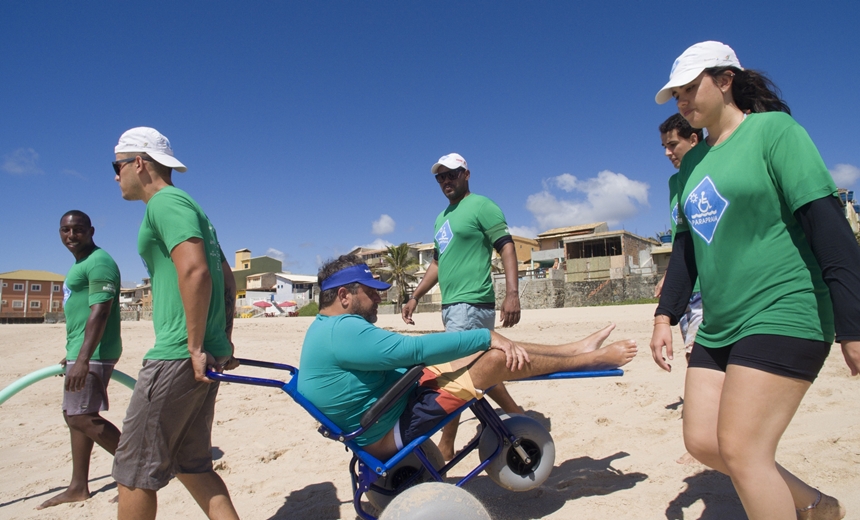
(435, 168)
(375, 284)
(678, 80)
(167, 160)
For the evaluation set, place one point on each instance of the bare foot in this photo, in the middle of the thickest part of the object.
(592, 342)
(613, 355)
(686, 459)
(65, 497)
(828, 508)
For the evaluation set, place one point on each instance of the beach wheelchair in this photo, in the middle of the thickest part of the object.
(515, 451)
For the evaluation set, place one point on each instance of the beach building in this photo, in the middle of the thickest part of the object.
(131, 298)
(246, 265)
(300, 288)
(593, 252)
(551, 243)
(28, 294)
(294, 290)
(852, 208)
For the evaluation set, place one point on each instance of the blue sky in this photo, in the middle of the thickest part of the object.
(310, 128)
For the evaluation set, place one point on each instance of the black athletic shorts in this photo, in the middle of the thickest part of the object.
(780, 355)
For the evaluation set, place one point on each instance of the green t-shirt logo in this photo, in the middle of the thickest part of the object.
(444, 236)
(704, 209)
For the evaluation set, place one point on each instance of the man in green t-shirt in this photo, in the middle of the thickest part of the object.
(93, 346)
(678, 138)
(466, 233)
(168, 427)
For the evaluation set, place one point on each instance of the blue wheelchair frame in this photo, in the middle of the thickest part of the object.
(365, 469)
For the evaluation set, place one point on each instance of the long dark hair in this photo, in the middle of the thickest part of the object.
(752, 91)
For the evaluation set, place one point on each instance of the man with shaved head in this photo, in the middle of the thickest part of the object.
(93, 346)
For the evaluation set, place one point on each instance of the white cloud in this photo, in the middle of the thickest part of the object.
(845, 175)
(274, 253)
(523, 231)
(73, 173)
(379, 243)
(384, 225)
(22, 162)
(609, 197)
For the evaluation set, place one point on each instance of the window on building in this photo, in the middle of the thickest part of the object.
(3, 303)
(18, 304)
(5, 284)
(18, 287)
(35, 304)
(55, 304)
(36, 287)
(57, 288)
(595, 248)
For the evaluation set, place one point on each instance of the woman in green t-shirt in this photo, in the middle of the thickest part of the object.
(758, 221)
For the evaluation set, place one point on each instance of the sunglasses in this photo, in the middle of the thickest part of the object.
(449, 175)
(117, 165)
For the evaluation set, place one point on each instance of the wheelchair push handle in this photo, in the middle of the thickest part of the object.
(256, 381)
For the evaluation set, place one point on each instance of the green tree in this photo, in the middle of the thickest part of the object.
(399, 270)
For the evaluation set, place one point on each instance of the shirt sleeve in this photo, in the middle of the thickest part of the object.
(174, 218)
(371, 348)
(492, 221)
(838, 255)
(797, 167)
(104, 282)
(680, 279)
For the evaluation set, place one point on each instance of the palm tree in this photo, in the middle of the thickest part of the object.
(399, 269)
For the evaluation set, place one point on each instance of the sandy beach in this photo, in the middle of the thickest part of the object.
(617, 439)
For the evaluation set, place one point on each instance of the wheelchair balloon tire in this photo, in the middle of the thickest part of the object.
(508, 470)
(402, 471)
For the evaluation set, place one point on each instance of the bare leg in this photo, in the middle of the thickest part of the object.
(705, 433)
(587, 344)
(500, 395)
(449, 435)
(490, 369)
(136, 503)
(755, 409)
(84, 430)
(211, 494)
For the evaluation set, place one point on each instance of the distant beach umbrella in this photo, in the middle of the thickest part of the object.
(261, 304)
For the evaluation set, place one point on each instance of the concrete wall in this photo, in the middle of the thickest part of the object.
(549, 294)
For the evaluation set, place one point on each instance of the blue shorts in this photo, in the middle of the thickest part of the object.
(440, 392)
(466, 316)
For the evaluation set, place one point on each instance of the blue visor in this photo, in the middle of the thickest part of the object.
(357, 273)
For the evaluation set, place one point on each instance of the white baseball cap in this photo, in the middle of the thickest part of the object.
(152, 143)
(693, 61)
(452, 161)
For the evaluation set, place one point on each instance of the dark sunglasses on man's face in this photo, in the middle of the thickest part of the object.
(117, 165)
(451, 175)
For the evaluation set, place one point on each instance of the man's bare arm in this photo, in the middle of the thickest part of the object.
(510, 311)
(229, 297)
(195, 288)
(431, 277)
(93, 332)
